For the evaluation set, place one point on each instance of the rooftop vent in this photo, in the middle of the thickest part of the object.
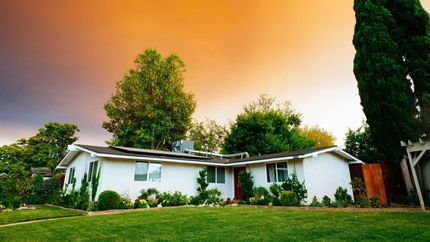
(182, 146)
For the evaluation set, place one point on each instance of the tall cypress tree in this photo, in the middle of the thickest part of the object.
(412, 33)
(386, 95)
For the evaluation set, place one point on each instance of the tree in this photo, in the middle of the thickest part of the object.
(320, 136)
(263, 129)
(386, 94)
(49, 145)
(360, 144)
(412, 33)
(207, 135)
(150, 108)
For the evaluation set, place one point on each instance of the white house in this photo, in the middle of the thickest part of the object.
(128, 170)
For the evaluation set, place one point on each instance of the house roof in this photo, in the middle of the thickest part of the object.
(156, 155)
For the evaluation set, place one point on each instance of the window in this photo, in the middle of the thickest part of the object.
(216, 174)
(71, 175)
(277, 172)
(92, 172)
(145, 171)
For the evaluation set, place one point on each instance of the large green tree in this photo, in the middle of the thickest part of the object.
(320, 136)
(207, 135)
(385, 92)
(412, 33)
(49, 145)
(265, 127)
(150, 108)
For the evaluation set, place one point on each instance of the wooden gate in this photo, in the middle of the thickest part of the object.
(374, 182)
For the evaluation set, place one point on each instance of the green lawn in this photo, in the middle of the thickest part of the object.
(229, 224)
(41, 212)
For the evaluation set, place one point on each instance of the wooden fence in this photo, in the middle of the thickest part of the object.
(374, 182)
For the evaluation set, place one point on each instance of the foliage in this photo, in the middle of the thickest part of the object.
(49, 145)
(95, 184)
(125, 201)
(83, 195)
(15, 186)
(360, 144)
(360, 193)
(213, 196)
(315, 202)
(326, 201)
(246, 183)
(207, 135)
(202, 180)
(141, 203)
(275, 190)
(343, 199)
(383, 81)
(293, 184)
(320, 136)
(289, 198)
(261, 196)
(264, 128)
(150, 108)
(176, 199)
(374, 201)
(44, 191)
(108, 200)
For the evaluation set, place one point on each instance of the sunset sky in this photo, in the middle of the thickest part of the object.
(59, 60)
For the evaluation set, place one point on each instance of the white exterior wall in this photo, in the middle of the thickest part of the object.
(118, 175)
(259, 172)
(81, 164)
(324, 174)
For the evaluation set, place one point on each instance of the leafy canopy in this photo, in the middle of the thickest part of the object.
(207, 135)
(266, 127)
(360, 144)
(150, 108)
(320, 136)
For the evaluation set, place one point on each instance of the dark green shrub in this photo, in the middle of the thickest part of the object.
(246, 182)
(289, 198)
(292, 184)
(202, 180)
(275, 191)
(108, 200)
(326, 201)
(95, 184)
(360, 193)
(374, 201)
(315, 202)
(261, 196)
(83, 198)
(213, 196)
(343, 199)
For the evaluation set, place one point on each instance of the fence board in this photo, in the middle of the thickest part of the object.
(374, 182)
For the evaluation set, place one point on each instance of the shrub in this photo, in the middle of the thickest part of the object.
(261, 196)
(315, 202)
(343, 199)
(108, 200)
(292, 184)
(246, 182)
(360, 193)
(141, 203)
(213, 196)
(326, 201)
(83, 197)
(374, 201)
(289, 198)
(176, 199)
(125, 201)
(275, 191)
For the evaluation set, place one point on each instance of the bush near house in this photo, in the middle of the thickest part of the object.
(289, 198)
(343, 199)
(246, 184)
(261, 196)
(109, 200)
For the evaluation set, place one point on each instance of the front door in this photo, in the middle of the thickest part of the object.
(237, 194)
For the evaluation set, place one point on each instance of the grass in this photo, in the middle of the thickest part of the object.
(41, 212)
(229, 224)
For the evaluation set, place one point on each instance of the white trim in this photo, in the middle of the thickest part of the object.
(240, 163)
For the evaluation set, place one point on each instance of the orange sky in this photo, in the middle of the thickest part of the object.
(59, 60)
